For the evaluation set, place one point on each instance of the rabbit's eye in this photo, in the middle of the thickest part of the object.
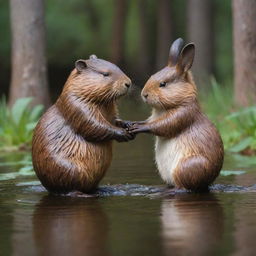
(162, 84)
(105, 74)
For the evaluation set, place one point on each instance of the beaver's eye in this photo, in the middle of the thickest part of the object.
(105, 74)
(162, 84)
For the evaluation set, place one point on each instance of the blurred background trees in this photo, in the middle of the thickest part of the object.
(200, 30)
(42, 39)
(135, 34)
(118, 32)
(244, 17)
(28, 61)
(164, 32)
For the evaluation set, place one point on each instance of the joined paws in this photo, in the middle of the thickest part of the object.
(138, 127)
(124, 135)
(132, 128)
(124, 123)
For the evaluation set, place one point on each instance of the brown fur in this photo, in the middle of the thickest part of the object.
(72, 142)
(177, 115)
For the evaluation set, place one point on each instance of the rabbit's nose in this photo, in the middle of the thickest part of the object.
(145, 95)
(127, 85)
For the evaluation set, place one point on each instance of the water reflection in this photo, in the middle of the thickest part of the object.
(70, 226)
(244, 226)
(191, 224)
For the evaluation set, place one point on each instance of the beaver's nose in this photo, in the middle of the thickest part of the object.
(127, 85)
(145, 95)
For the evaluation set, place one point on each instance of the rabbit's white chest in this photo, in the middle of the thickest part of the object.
(168, 154)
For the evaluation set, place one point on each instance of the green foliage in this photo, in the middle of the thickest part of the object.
(83, 28)
(5, 45)
(223, 40)
(238, 129)
(218, 102)
(230, 172)
(244, 123)
(24, 171)
(17, 123)
(20, 164)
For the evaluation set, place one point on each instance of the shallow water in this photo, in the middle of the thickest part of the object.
(132, 213)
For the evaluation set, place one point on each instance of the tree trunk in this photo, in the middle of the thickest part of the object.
(118, 33)
(94, 22)
(29, 73)
(200, 31)
(144, 56)
(164, 32)
(244, 33)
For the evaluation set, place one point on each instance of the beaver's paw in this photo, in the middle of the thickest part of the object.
(123, 135)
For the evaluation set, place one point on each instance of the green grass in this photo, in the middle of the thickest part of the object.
(218, 102)
(244, 124)
(237, 126)
(17, 124)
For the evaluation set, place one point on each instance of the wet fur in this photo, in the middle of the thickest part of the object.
(188, 149)
(72, 143)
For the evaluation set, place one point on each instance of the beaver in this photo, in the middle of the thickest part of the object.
(188, 148)
(72, 142)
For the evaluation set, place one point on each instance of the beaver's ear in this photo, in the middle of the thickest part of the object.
(93, 56)
(186, 58)
(174, 52)
(80, 65)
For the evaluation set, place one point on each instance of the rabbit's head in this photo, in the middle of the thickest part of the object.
(173, 85)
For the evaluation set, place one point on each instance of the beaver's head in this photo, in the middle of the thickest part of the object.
(97, 80)
(173, 85)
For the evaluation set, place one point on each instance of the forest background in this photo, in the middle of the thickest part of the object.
(51, 35)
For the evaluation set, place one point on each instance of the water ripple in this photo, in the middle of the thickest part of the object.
(143, 190)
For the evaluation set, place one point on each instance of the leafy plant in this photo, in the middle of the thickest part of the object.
(24, 171)
(238, 129)
(20, 164)
(17, 123)
(230, 172)
(218, 102)
(244, 123)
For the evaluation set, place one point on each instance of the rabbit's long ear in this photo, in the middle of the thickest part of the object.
(186, 58)
(174, 52)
